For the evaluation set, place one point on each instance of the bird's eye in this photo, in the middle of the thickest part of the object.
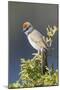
(25, 26)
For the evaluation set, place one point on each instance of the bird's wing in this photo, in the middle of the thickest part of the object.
(37, 37)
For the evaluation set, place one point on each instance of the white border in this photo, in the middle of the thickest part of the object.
(4, 43)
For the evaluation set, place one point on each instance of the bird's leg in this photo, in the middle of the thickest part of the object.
(38, 52)
(35, 54)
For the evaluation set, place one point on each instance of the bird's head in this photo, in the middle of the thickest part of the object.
(26, 26)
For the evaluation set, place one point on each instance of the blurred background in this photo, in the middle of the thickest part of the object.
(40, 15)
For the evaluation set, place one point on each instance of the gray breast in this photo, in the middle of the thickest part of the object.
(37, 37)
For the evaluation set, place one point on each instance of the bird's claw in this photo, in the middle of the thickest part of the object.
(35, 54)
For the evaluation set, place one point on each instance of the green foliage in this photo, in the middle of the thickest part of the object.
(31, 74)
(14, 85)
(50, 34)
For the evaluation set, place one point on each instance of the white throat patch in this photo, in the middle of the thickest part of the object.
(29, 31)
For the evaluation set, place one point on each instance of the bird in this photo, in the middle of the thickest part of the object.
(36, 40)
(34, 37)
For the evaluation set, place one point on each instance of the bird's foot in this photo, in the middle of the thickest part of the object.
(35, 54)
